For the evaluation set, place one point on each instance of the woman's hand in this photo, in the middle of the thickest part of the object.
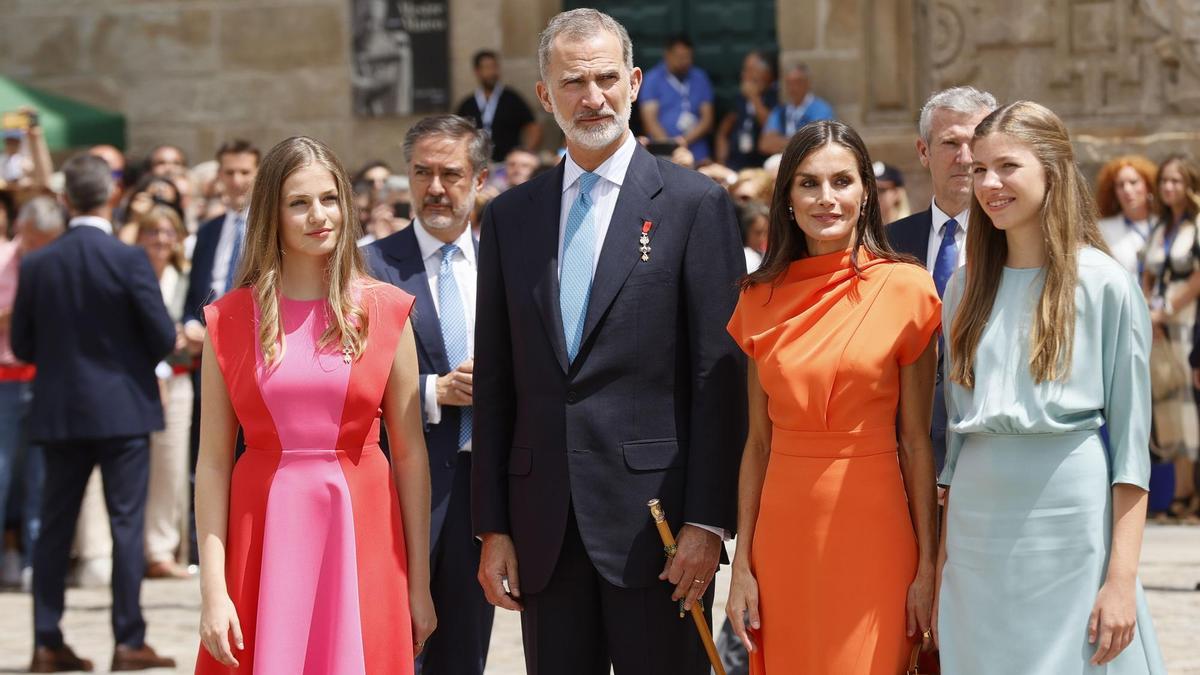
(919, 607)
(742, 605)
(1113, 620)
(219, 627)
(424, 618)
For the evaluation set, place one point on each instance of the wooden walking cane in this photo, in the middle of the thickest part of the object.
(668, 540)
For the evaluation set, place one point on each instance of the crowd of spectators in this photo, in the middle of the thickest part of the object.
(165, 202)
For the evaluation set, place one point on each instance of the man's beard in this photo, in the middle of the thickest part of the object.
(596, 136)
(447, 221)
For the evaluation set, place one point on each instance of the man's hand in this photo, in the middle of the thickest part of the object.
(497, 569)
(194, 331)
(694, 565)
(457, 386)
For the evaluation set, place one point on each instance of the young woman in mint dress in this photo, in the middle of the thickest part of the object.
(314, 549)
(1048, 338)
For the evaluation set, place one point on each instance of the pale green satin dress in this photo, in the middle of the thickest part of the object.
(1029, 521)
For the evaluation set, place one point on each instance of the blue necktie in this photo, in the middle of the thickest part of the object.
(239, 233)
(454, 328)
(947, 257)
(579, 250)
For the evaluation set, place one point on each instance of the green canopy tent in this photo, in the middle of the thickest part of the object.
(67, 123)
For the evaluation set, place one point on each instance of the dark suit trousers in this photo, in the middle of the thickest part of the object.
(459, 646)
(125, 469)
(580, 623)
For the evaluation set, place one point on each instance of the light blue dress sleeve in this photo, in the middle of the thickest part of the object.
(954, 440)
(1126, 353)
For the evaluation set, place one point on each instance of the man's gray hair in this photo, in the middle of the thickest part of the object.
(959, 99)
(42, 214)
(88, 182)
(581, 24)
(479, 148)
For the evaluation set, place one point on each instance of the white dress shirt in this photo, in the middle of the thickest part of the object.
(91, 221)
(604, 200)
(938, 228)
(604, 194)
(463, 266)
(220, 271)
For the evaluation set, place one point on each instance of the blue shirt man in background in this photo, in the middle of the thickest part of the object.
(798, 107)
(676, 101)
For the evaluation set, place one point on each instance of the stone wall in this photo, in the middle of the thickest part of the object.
(196, 72)
(1125, 74)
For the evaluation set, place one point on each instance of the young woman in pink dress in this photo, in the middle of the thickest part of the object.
(314, 551)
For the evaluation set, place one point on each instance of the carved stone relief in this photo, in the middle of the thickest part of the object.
(1094, 58)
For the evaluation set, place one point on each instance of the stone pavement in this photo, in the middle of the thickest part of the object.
(1170, 569)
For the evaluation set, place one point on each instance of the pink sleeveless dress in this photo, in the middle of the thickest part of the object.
(315, 556)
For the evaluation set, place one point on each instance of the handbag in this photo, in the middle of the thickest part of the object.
(923, 663)
(1168, 375)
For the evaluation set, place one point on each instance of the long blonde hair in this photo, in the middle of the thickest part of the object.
(262, 261)
(1068, 217)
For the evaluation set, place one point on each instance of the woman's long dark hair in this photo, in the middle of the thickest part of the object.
(785, 240)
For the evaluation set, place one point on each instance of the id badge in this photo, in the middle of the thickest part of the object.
(745, 142)
(686, 121)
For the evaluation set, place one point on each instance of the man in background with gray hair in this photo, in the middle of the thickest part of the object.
(605, 378)
(90, 315)
(434, 261)
(937, 236)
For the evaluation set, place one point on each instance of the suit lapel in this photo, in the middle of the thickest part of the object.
(620, 249)
(922, 238)
(407, 270)
(541, 241)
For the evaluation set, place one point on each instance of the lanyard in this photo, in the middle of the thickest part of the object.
(487, 106)
(1143, 232)
(796, 113)
(681, 88)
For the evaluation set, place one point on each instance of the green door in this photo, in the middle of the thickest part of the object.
(722, 31)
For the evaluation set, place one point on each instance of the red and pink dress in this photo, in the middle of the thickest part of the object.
(315, 554)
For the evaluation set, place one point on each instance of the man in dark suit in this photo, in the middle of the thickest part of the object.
(606, 378)
(937, 236)
(434, 260)
(89, 314)
(215, 258)
(218, 250)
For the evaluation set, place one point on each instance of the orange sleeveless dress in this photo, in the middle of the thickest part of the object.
(834, 546)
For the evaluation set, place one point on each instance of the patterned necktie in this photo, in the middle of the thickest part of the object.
(579, 250)
(947, 257)
(454, 328)
(239, 233)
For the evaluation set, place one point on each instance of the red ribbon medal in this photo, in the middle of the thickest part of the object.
(644, 241)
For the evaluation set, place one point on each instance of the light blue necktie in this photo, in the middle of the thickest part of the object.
(947, 257)
(454, 328)
(239, 233)
(579, 251)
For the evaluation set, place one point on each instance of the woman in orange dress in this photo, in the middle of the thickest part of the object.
(834, 569)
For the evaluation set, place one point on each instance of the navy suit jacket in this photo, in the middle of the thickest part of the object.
(204, 254)
(89, 313)
(653, 406)
(397, 260)
(911, 235)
